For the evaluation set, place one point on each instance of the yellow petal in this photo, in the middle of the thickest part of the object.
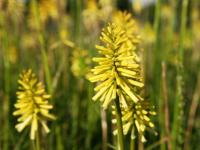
(136, 83)
(46, 114)
(126, 127)
(99, 93)
(127, 71)
(108, 97)
(104, 84)
(22, 125)
(128, 92)
(143, 139)
(34, 127)
(122, 98)
(24, 84)
(46, 106)
(46, 129)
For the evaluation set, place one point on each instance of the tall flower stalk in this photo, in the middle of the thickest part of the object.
(120, 82)
(107, 72)
(32, 106)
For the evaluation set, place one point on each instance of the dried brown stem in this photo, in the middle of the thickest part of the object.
(140, 144)
(104, 129)
(166, 107)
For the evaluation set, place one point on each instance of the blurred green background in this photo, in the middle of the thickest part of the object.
(56, 39)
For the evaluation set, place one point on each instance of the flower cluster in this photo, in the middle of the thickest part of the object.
(117, 70)
(41, 11)
(48, 9)
(136, 116)
(119, 76)
(32, 104)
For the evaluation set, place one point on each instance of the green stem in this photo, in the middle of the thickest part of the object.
(37, 141)
(42, 47)
(45, 62)
(179, 97)
(76, 8)
(157, 68)
(157, 16)
(119, 125)
(6, 106)
(59, 138)
(91, 121)
(132, 144)
(183, 28)
(34, 145)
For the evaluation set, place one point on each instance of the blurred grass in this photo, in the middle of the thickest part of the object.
(170, 34)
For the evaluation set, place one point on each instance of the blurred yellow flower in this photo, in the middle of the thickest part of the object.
(106, 9)
(48, 9)
(32, 104)
(15, 9)
(80, 62)
(63, 28)
(167, 12)
(91, 16)
(12, 54)
(40, 11)
(147, 34)
(137, 6)
(97, 12)
(129, 25)
(29, 40)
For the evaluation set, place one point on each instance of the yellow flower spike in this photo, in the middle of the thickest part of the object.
(32, 104)
(117, 71)
(137, 116)
(118, 75)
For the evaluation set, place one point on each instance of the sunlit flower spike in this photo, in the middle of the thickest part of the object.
(32, 104)
(117, 72)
